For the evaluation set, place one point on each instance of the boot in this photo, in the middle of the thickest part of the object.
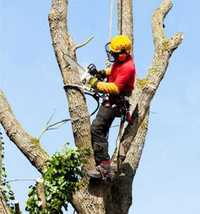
(103, 170)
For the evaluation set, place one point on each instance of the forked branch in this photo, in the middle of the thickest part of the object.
(164, 47)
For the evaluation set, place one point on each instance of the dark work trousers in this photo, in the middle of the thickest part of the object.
(100, 129)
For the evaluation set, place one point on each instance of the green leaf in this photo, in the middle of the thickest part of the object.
(61, 179)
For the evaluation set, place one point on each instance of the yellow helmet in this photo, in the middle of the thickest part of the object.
(120, 43)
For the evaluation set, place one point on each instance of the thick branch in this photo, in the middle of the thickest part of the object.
(163, 49)
(17, 208)
(158, 19)
(64, 47)
(41, 192)
(3, 207)
(29, 146)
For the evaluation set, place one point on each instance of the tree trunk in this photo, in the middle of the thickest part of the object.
(98, 197)
(64, 46)
(116, 197)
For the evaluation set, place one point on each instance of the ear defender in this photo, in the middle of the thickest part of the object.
(122, 57)
(118, 48)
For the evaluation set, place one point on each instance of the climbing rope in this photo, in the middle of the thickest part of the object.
(110, 20)
(96, 97)
(120, 15)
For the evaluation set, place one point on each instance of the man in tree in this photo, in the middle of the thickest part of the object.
(119, 85)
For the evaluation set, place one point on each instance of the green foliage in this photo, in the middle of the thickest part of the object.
(60, 178)
(5, 187)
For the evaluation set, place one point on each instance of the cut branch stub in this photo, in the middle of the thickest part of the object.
(158, 21)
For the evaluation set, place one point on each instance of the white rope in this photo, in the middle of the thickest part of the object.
(107, 63)
(110, 20)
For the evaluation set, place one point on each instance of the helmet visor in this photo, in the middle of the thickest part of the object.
(112, 56)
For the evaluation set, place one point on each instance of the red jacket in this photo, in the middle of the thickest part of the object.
(123, 75)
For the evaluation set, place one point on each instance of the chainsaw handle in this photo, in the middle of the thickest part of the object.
(92, 69)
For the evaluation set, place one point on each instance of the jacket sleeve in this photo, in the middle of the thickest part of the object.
(108, 88)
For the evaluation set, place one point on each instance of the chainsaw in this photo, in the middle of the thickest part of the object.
(86, 74)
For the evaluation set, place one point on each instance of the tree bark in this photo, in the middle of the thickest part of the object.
(101, 197)
(64, 46)
(117, 197)
(164, 48)
(3, 207)
(27, 144)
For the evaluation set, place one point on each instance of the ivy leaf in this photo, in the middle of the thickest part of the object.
(61, 179)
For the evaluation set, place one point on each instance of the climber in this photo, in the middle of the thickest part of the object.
(120, 83)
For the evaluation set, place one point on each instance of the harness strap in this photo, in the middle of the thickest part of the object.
(121, 104)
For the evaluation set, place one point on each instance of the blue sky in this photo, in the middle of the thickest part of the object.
(168, 178)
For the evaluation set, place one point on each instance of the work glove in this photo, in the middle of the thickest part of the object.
(99, 74)
(92, 82)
